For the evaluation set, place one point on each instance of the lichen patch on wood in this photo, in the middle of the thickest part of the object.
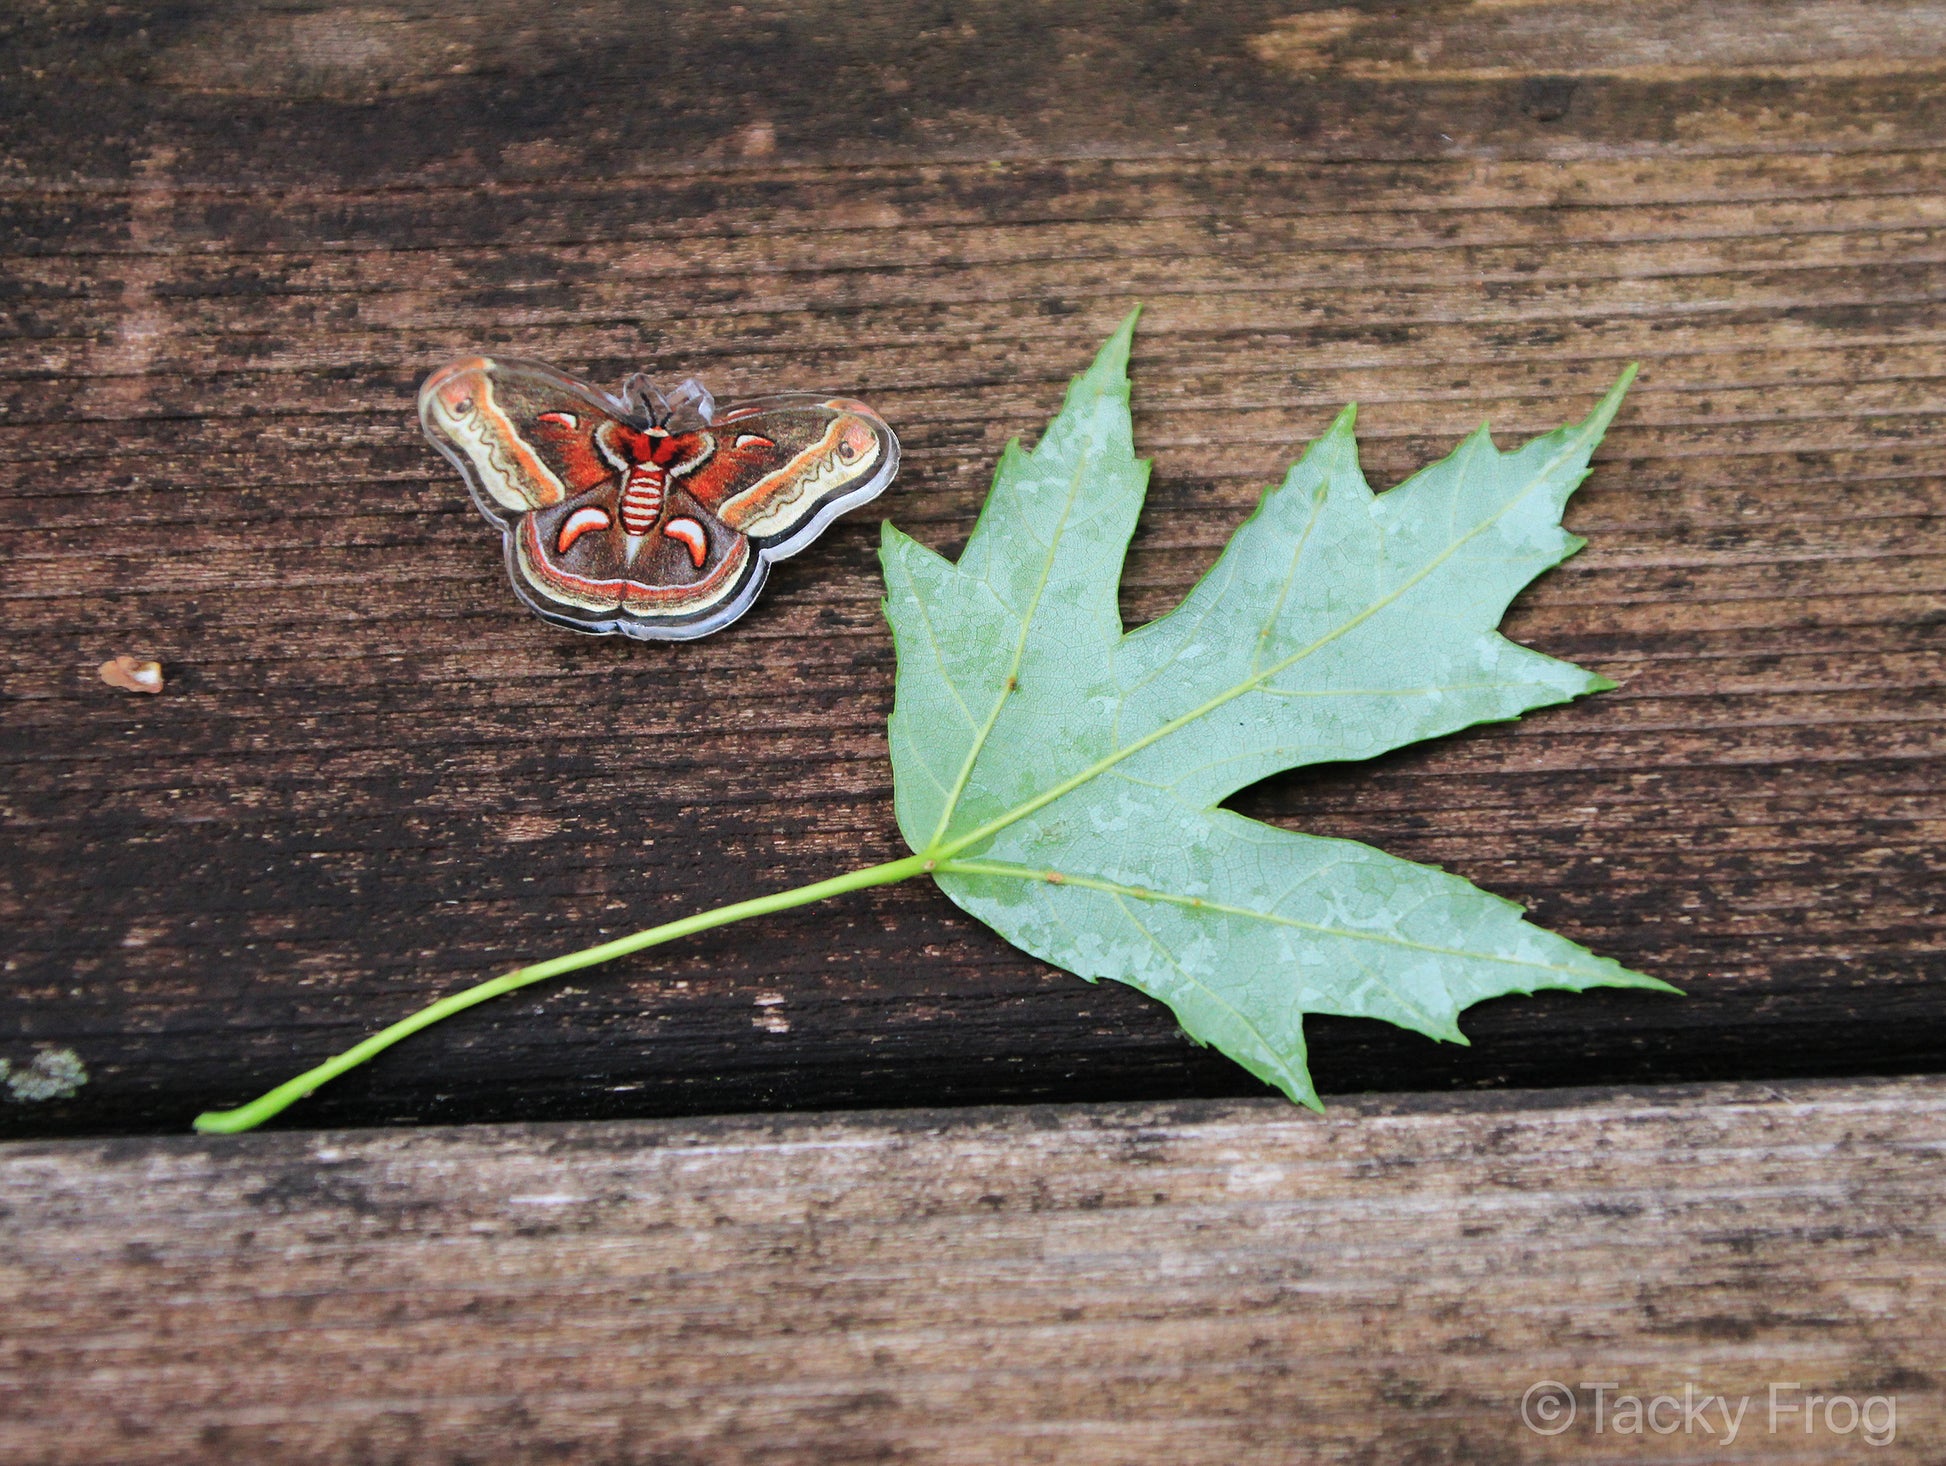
(53, 1073)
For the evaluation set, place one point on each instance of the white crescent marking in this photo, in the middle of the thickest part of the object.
(691, 534)
(579, 523)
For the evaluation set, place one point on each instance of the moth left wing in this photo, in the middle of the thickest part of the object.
(523, 434)
(785, 467)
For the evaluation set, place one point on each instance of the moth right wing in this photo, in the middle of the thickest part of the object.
(785, 467)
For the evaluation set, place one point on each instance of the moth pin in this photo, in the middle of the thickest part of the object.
(655, 517)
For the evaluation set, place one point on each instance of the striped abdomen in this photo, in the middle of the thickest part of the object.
(642, 498)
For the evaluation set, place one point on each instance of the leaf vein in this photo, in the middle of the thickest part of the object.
(1012, 682)
(1143, 893)
(1269, 1048)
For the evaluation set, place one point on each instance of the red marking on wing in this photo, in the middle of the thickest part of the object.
(502, 456)
(582, 521)
(747, 458)
(690, 533)
(569, 441)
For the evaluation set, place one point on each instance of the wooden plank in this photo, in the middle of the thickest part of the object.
(236, 235)
(1209, 1282)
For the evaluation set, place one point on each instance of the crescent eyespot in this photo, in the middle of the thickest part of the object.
(560, 419)
(581, 522)
(691, 534)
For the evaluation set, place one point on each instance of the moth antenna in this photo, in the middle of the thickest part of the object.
(692, 397)
(645, 400)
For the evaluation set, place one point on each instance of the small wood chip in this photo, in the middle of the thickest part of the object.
(132, 676)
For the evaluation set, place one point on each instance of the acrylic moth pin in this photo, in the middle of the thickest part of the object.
(656, 517)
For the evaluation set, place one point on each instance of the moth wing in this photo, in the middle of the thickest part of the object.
(522, 434)
(783, 468)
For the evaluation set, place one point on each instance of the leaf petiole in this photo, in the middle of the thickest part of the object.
(248, 1117)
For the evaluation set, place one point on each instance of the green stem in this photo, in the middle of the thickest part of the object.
(247, 1117)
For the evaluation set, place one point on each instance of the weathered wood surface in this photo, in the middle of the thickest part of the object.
(1213, 1282)
(236, 235)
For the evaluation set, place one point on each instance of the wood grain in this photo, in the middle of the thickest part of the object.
(235, 236)
(1210, 1282)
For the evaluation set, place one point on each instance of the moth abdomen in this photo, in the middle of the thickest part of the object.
(642, 494)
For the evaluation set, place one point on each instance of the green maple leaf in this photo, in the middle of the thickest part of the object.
(1064, 777)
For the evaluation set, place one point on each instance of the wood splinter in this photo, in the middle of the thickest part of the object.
(131, 675)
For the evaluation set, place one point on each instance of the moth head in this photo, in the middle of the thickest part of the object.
(687, 408)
